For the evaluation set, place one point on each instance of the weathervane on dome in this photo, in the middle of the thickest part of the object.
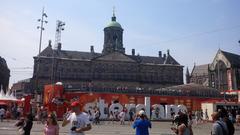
(113, 17)
(113, 10)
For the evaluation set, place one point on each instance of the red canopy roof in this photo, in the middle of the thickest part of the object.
(3, 103)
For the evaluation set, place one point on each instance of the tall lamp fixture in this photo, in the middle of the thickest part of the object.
(41, 28)
(42, 21)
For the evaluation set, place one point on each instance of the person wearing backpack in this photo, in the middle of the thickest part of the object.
(229, 123)
(219, 127)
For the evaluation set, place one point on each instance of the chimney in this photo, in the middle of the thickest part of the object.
(164, 56)
(59, 46)
(160, 54)
(92, 49)
(50, 43)
(133, 52)
(168, 52)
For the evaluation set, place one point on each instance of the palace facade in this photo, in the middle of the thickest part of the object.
(112, 68)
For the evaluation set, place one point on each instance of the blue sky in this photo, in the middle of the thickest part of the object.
(193, 30)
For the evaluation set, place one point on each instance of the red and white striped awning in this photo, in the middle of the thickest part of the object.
(231, 92)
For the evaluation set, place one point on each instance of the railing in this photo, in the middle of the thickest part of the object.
(141, 91)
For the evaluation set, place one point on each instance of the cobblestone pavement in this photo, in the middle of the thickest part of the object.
(107, 128)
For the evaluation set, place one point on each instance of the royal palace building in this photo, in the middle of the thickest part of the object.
(112, 68)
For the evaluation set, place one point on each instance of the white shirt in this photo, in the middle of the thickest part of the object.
(122, 115)
(81, 120)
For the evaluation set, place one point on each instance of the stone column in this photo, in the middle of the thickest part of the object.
(234, 79)
(148, 106)
(229, 79)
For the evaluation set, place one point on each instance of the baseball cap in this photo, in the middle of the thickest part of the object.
(75, 104)
(141, 112)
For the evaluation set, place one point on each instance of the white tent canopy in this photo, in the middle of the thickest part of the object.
(7, 96)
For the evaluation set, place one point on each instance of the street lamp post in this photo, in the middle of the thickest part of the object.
(42, 21)
(41, 27)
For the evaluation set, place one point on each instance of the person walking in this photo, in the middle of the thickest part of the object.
(90, 116)
(141, 124)
(225, 118)
(206, 115)
(2, 114)
(131, 115)
(238, 118)
(197, 117)
(78, 119)
(122, 117)
(97, 115)
(219, 127)
(111, 117)
(183, 127)
(25, 125)
(8, 115)
(51, 127)
(38, 115)
(44, 115)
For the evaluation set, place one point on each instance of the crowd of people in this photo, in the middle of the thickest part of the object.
(12, 112)
(223, 121)
(81, 121)
(78, 120)
(41, 114)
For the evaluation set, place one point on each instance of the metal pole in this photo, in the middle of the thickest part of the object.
(53, 74)
(41, 29)
(218, 75)
(40, 43)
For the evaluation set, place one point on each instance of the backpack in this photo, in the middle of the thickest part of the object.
(99, 113)
(230, 127)
(223, 129)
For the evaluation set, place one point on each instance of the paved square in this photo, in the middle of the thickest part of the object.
(107, 128)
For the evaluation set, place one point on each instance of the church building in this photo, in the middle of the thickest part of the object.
(223, 73)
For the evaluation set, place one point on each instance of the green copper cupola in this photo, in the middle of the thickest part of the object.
(113, 37)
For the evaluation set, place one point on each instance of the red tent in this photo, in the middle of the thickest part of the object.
(3, 103)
